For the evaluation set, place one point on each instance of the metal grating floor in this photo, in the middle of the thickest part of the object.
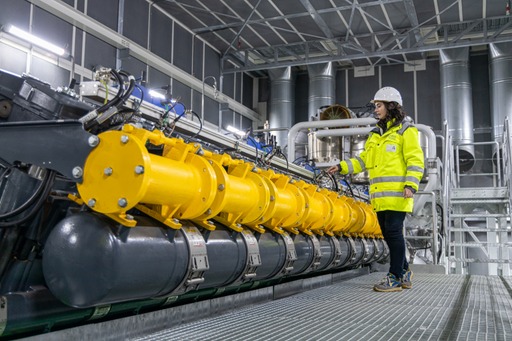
(439, 307)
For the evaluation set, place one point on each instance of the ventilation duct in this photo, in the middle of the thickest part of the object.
(282, 101)
(322, 79)
(457, 105)
(500, 59)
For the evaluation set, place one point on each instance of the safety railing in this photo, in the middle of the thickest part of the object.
(496, 174)
(447, 183)
(507, 156)
(435, 233)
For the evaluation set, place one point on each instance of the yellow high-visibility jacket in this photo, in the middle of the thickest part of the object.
(393, 159)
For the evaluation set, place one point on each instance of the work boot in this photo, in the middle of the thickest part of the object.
(388, 283)
(407, 279)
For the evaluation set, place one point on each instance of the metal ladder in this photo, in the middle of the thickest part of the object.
(477, 211)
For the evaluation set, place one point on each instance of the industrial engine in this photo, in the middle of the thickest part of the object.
(111, 205)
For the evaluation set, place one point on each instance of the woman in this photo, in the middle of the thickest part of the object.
(394, 160)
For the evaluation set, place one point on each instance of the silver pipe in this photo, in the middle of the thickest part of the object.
(323, 124)
(343, 132)
(457, 105)
(282, 100)
(322, 79)
(500, 60)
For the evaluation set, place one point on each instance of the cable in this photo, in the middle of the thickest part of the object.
(37, 206)
(200, 126)
(29, 201)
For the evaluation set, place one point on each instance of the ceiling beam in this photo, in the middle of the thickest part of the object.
(265, 21)
(410, 44)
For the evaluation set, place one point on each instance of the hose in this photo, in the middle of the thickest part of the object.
(48, 184)
(29, 201)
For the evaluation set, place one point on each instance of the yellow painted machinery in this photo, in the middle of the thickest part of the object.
(100, 219)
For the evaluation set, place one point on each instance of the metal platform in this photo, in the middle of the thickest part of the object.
(439, 307)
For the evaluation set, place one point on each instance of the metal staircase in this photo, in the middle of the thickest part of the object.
(477, 209)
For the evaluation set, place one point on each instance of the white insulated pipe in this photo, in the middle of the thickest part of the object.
(323, 124)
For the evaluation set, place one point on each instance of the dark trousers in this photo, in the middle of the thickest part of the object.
(392, 224)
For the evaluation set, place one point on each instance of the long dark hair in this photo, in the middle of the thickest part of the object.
(395, 111)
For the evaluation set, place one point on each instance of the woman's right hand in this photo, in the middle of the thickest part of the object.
(334, 169)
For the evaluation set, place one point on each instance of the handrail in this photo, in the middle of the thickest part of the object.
(507, 157)
(447, 184)
(498, 160)
(434, 225)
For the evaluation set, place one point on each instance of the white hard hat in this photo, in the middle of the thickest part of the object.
(387, 94)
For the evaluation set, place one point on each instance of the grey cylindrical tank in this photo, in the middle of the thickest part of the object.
(305, 253)
(89, 260)
(273, 255)
(372, 250)
(346, 251)
(360, 253)
(227, 257)
(327, 249)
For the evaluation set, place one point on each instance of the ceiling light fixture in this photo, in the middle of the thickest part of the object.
(156, 94)
(17, 32)
(235, 131)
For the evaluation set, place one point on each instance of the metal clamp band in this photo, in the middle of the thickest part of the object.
(353, 252)
(253, 257)
(3, 314)
(336, 260)
(291, 253)
(198, 261)
(317, 254)
(376, 253)
(366, 251)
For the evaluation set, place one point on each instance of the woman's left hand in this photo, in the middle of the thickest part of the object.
(408, 193)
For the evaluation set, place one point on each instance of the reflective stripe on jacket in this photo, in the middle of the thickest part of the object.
(393, 160)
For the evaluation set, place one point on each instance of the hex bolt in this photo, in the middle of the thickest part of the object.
(221, 187)
(272, 198)
(108, 171)
(77, 172)
(125, 138)
(122, 202)
(91, 203)
(209, 211)
(139, 169)
(93, 141)
(175, 220)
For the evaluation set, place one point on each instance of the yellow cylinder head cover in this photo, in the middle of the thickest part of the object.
(287, 205)
(342, 214)
(120, 173)
(319, 209)
(357, 218)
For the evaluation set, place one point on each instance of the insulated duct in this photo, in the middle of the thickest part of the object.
(457, 106)
(500, 60)
(282, 100)
(322, 79)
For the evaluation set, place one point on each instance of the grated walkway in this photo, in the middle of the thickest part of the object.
(439, 307)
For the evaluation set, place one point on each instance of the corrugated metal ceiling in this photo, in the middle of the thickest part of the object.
(261, 34)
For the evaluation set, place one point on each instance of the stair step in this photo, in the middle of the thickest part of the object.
(477, 260)
(477, 229)
(481, 244)
(478, 215)
(457, 201)
(482, 193)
